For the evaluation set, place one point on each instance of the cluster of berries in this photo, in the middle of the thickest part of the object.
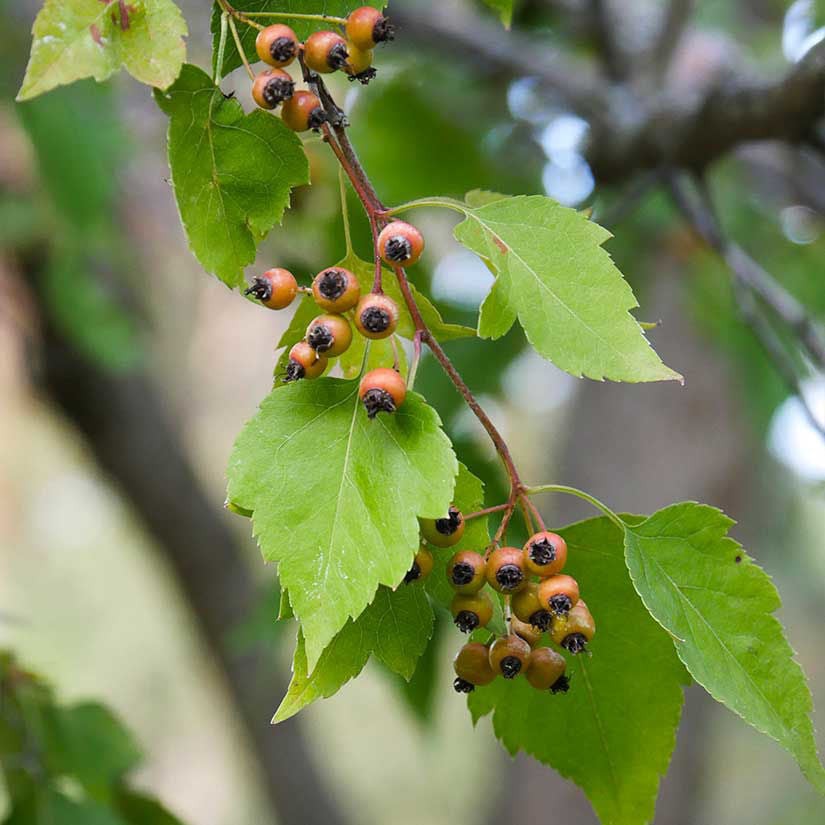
(336, 291)
(542, 599)
(323, 52)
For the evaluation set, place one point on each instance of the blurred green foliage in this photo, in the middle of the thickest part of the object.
(66, 764)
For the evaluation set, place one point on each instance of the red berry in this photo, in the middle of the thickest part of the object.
(421, 567)
(509, 656)
(559, 593)
(329, 335)
(443, 532)
(277, 45)
(325, 52)
(545, 670)
(366, 27)
(472, 667)
(336, 289)
(471, 611)
(465, 572)
(505, 570)
(271, 87)
(545, 554)
(275, 289)
(303, 111)
(304, 362)
(376, 316)
(575, 630)
(382, 390)
(400, 244)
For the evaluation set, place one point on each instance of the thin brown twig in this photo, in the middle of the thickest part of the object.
(750, 281)
(486, 511)
(335, 135)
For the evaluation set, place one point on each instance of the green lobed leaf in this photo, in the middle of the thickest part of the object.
(504, 8)
(704, 589)
(614, 731)
(554, 275)
(335, 497)
(72, 39)
(406, 608)
(395, 629)
(232, 173)
(302, 28)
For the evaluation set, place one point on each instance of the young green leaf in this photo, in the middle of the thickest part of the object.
(395, 629)
(94, 38)
(614, 731)
(335, 497)
(302, 28)
(717, 603)
(232, 172)
(554, 275)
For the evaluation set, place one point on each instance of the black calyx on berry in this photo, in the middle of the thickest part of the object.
(294, 372)
(463, 686)
(560, 604)
(510, 667)
(561, 685)
(304, 362)
(466, 621)
(450, 523)
(277, 45)
(444, 531)
(509, 656)
(413, 574)
(320, 338)
(574, 642)
(463, 573)
(421, 567)
(336, 289)
(542, 552)
(400, 244)
(542, 619)
(505, 570)
(376, 316)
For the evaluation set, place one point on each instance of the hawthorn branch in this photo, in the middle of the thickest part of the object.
(687, 129)
(675, 18)
(489, 48)
(751, 281)
(616, 64)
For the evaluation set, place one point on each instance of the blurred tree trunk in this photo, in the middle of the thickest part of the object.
(639, 448)
(130, 434)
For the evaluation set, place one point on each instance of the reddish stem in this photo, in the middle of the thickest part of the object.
(344, 152)
(486, 511)
(534, 510)
(376, 283)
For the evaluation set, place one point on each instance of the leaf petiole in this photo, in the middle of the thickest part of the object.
(323, 18)
(574, 491)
